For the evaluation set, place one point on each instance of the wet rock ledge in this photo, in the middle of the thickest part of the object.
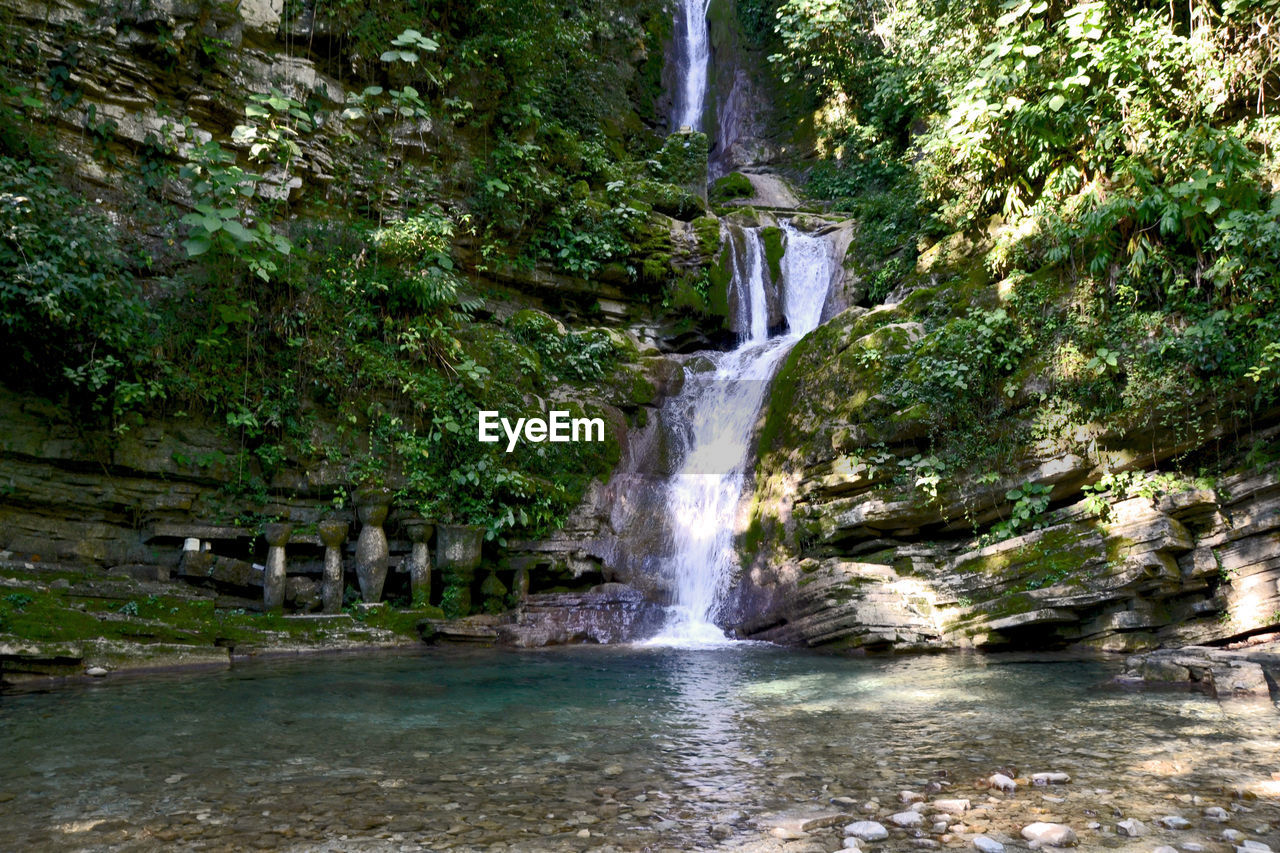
(1250, 669)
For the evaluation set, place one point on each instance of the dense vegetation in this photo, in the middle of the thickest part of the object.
(337, 322)
(1110, 165)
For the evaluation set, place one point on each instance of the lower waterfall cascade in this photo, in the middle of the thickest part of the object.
(712, 424)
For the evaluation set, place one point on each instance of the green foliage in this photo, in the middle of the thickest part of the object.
(682, 159)
(451, 601)
(674, 201)
(1118, 485)
(73, 318)
(1130, 143)
(924, 473)
(1103, 361)
(407, 46)
(568, 355)
(1030, 500)
(422, 279)
(957, 366)
(220, 221)
(583, 237)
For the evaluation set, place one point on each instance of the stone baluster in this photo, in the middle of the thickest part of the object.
(458, 555)
(520, 585)
(333, 534)
(273, 579)
(419, 530)
(371, 546)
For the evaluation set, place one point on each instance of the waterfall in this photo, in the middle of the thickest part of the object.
(693, 51)
(711, 424)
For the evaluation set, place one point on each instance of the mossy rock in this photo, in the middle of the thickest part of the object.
(531, 321)
(707, 228)
(746, 217)
(683, 296)
(667, 198)
(718, 278)
(953, 252)
(774, 249)
(731, 186)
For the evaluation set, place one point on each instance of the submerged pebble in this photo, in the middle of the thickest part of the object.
(1050, 834)
(867, 830)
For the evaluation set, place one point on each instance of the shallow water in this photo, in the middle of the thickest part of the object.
(578, 749)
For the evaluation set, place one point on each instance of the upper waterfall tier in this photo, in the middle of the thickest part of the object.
(693, 53)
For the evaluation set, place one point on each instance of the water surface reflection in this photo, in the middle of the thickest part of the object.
(633, 748)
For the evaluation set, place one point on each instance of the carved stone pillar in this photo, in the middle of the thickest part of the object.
(333, 534)
(277, 536)
(520, 586)
(371, 546)
(419, 530)
(458, 555)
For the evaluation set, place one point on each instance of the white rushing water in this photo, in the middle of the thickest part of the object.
(693, 53)
(712, 422)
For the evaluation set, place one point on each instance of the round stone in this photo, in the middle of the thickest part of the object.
(867, 830)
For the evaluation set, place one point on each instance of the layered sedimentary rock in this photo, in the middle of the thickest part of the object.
(880, 569)
(1190, 567)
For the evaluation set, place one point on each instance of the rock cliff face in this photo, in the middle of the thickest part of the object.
(849, 546)
(859, 541)
(134, 71)
(1190, 567)
(139, 85)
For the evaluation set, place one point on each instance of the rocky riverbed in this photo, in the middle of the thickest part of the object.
(747, 748)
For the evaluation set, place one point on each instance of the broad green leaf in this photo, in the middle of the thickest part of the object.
(197, 246)
(238, 232)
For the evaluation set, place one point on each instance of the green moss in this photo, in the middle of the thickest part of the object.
(666, 198)
(773, 250)
(647, 86)
(781, 399)
(753, 535)
(708, 230)
(718, 278)
(1056, 557)
(683, 297)
(651, 254)
(887, 557)
(731, 186)
(74, 615)
(633, 386)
